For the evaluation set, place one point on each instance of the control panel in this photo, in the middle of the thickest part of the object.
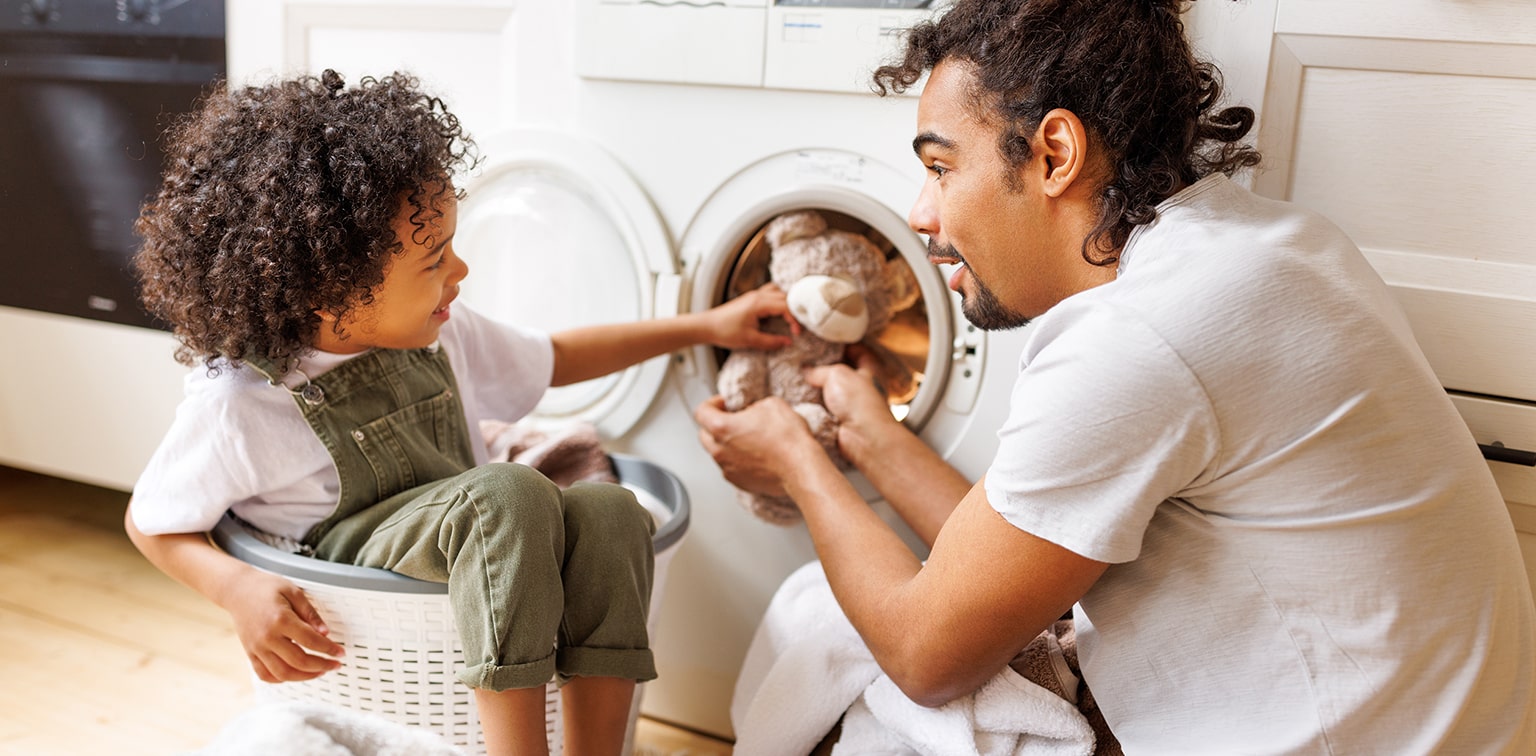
(825, 45)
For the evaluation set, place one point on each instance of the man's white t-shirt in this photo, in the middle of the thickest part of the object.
(240, 443)
(1308, 552)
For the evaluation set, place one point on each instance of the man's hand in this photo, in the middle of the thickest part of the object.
(853, 396)
(281, 631)
(758, 446)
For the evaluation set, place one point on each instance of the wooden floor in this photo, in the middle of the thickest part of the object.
(100, 653)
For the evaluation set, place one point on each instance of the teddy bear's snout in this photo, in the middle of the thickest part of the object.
(830, 307)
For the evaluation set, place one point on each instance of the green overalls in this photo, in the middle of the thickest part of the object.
(542, 581)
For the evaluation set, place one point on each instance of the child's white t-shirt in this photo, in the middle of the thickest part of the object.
(1308, 553)
(240, 443)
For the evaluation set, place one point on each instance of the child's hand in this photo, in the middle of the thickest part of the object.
(281, 631)
(737, 323)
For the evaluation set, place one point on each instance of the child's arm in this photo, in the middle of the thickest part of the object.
(585, 353)
(274, 620)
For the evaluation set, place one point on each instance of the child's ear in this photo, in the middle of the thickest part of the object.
(329, 324)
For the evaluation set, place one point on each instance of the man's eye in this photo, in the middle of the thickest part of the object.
(937, 170)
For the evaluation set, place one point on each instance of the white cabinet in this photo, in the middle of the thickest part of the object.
(1412, 124)
(495, 63)
(819, 46)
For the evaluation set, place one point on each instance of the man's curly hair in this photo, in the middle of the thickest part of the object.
(278, 201)
(1123, 67)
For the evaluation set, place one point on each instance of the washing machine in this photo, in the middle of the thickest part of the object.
(648, 199)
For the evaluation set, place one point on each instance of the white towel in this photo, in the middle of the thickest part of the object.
(807, 667)
(302, 728)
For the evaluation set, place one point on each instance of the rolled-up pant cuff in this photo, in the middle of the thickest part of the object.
(637, 664)
(499, 677)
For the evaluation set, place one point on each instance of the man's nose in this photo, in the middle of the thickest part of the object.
(922, 218)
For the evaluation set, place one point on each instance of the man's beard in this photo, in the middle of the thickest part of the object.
(983, 309)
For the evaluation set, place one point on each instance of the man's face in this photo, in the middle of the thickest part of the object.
(980, 213)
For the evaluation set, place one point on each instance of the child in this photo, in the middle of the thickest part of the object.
(301, 245)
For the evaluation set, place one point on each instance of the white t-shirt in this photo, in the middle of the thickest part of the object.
(1309, 554)
(238, 442)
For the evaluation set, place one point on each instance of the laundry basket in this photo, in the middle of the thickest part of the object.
(403, 653)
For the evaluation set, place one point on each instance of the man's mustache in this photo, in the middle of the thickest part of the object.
(944, 252)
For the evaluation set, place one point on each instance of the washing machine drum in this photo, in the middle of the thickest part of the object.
(903, 345)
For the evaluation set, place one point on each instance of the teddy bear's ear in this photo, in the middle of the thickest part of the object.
(788, 227)
(903, 283)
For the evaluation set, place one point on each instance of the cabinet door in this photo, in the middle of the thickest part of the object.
(494, 62)
(1412, 124)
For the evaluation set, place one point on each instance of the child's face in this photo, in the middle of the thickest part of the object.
(410, 305)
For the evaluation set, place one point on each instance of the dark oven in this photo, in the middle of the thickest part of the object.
(87, 87)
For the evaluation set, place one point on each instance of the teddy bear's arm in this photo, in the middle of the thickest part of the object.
(743, 378)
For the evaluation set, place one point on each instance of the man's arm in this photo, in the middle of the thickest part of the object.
(910, 476)
(987, 589)
(941, 629)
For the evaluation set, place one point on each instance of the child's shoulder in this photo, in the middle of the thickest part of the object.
(222, 378)
(229, 391)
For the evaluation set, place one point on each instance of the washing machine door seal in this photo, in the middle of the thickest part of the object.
(557, 235)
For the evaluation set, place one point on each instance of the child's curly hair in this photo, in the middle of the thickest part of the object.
(278, 202)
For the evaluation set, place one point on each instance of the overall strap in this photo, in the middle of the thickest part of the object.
(391, 420)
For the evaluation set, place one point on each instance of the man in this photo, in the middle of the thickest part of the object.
(1224, 452)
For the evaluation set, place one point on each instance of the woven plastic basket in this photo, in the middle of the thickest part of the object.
(403, 653)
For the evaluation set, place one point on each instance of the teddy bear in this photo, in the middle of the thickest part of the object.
(840, 288)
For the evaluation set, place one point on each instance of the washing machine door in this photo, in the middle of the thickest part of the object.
(724, 243)
(558, 235)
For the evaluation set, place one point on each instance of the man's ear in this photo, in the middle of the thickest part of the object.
(1061, 144)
